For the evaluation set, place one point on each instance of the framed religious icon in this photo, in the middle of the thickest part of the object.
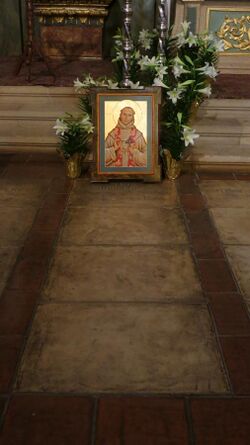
(126, 137)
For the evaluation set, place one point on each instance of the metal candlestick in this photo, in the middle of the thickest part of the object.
(128, 44)
(163, 26)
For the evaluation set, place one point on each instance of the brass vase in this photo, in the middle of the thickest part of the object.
(174, 166)
(73, 166)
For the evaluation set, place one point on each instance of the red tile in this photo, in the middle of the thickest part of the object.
(27, 275)
(207, 245)
(50, 420)
(61, 185)
(2, 406)
(243, 176)
(38, 245)
(192, 201)
(49, 218)
(9, 353)
(221, 421)
(236, 351)
(230, 314)
(216, 276)
(141, 421)
(16, 310)
(200, 222)
(187, 184)
(55, 201)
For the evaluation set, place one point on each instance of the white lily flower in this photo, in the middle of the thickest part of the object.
(145, 39)
(189, 135)
(175, 94)
(208, 70)
(135, 86)
(87, 124)
(178, 70)
(112, 85)
(207, 91)
(158, 83)
(78, 85)
(119, 56)
(137, 55)
(219, 45)
(185, 26)
(191, 39)
(89, 81)
(161, 71)
(146, 62)
(181, 40)
(60, 127)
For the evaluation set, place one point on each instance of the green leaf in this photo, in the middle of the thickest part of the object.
(189, 60)
(187, 82)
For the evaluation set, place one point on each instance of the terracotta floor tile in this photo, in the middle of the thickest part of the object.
(236, 351)
(56, 201)
(216, 276)
(27, 275)
(233, 225)
(7, 260)
(108, 226)
(187, 184)
(121, 348)
(15, 312)
(141, 421)
(49, 218)
(221, 422)
(200, 222)
(207, 246)
(239, 258)
(38, 245)
(145, 273)
(230, 314)
(192, 202)
(9, 352)
(41, 419)
(61, 185)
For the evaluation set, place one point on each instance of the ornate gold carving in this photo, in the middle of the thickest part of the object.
(235, 33)
(70, 11)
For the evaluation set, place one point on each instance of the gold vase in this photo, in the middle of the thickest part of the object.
(73, 166)
(174, 166)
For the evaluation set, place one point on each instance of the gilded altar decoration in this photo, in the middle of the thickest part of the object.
(72, 28)
(235, 33)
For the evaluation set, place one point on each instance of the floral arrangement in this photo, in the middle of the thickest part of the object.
(184, 72)
(75, 134)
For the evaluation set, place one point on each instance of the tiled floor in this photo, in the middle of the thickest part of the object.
(124, 308)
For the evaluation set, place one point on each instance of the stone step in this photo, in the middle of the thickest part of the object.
(28, 114)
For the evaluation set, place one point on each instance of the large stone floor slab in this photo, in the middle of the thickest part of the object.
(239, 257)
(125, 348)
(14, 224)
(129, 273)
(233, 225)
(118, 225)
(124, 195)
(227, 193)
(18, 193)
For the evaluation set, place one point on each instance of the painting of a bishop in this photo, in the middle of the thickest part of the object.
(125, 145)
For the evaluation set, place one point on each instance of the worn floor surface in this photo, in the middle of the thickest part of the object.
(124, 308)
